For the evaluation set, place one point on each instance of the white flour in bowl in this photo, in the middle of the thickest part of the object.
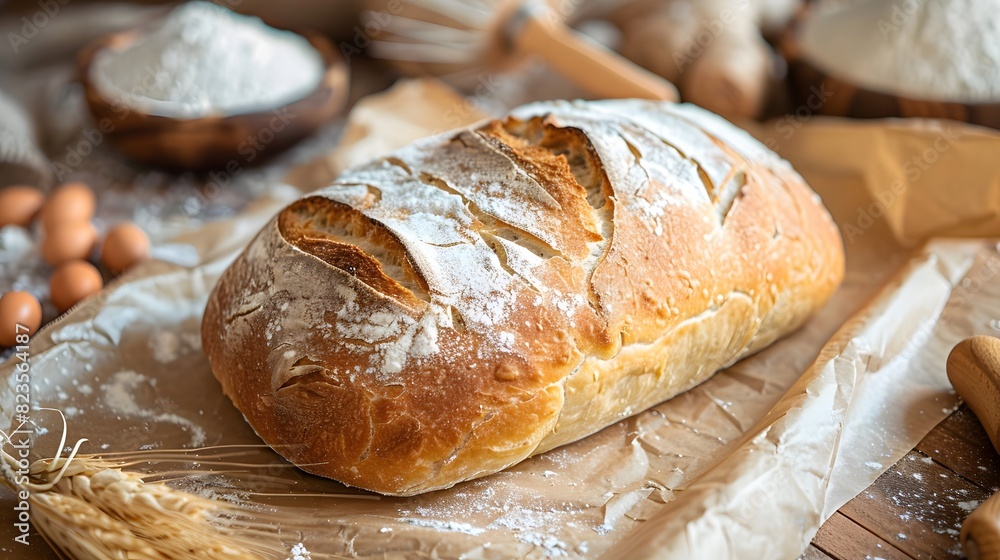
(938, 50)
(207, 60)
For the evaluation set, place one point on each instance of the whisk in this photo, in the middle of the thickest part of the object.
(451, 38)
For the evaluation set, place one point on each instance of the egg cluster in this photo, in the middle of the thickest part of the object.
(67, 244)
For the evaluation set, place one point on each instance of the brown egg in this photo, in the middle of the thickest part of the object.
(72, 282)
(20, 314)
(124, 245)
(19, 205)
(71, 202)
(68, 241)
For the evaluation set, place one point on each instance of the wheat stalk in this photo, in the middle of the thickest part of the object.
(90, 508)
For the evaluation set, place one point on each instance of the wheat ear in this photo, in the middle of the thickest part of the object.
(89, 508)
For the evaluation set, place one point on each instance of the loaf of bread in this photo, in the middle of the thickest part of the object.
(494, 292)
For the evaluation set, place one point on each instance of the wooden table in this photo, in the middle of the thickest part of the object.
(916, 508)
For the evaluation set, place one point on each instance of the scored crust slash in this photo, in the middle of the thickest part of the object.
(494, 292)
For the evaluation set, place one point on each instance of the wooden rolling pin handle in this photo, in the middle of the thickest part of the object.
(980, 536)
(586, 63)
(974, 371)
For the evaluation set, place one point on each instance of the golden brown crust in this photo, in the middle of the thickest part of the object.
(497, 291)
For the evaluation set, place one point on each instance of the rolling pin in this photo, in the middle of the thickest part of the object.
(974, 371)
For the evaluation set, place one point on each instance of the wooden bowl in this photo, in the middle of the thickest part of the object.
(842, 98)
(213, 142)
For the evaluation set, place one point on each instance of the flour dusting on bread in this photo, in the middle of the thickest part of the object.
(493, 292)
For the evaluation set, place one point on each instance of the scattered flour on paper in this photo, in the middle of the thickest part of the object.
(530, 521)
(118, 396)
(217, 487)
(299, 552)
(168, 346)
(449, 526)
(531, 527)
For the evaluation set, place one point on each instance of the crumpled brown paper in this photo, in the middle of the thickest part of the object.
(746, 465)
(932, 177)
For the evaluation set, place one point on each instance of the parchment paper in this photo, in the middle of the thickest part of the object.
(747, 465)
